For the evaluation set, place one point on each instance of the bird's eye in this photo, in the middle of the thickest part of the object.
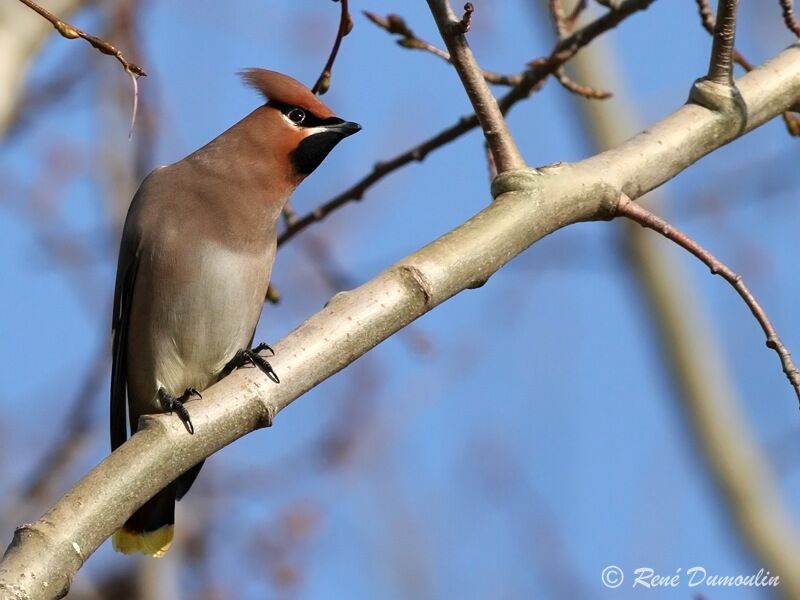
(296, 115)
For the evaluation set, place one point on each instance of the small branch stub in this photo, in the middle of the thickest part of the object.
(462, 26)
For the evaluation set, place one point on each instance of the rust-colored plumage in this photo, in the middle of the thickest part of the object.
(286, 90)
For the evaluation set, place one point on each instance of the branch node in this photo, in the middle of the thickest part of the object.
(719, 97)
(419, 281)
(518, 180)
(66, 30)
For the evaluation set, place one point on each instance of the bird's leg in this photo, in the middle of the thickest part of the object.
(170, 403)
(253, 357)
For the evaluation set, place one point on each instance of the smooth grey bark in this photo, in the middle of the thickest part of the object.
(529, 204)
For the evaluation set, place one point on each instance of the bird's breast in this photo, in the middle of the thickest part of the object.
(194, 308)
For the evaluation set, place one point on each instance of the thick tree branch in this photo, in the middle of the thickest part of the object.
(45, 555)
(504, 151)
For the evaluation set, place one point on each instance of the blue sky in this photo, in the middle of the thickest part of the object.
(499, 447)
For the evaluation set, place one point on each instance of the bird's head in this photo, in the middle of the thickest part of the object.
(308, 130)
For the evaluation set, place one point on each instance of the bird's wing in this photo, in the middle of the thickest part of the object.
(123, 294)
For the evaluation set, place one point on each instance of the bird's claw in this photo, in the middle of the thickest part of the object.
(261, 347)
(252, 357)
(170, 403)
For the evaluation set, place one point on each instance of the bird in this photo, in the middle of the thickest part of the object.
(195, 260)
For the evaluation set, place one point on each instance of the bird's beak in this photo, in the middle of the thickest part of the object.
(343, 128)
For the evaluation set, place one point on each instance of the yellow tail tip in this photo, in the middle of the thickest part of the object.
(155, 543)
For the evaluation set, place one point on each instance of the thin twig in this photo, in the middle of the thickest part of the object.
(532, 80)
(506, 154)
(579, 89)
(788, 16)
(321, 86)
(792, 123)
(707, 20)
(289, 215)
(71, 32)
(345, 26)
(379, 171)
(556, 8)
(631, 210)
(395, 24)
(720, 68)
(706, 16)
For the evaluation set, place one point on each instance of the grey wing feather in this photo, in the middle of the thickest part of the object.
(123, 293)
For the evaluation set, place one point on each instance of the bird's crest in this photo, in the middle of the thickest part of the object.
(286, 90)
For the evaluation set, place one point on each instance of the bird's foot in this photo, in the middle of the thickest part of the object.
(253, 357)
(170, 403)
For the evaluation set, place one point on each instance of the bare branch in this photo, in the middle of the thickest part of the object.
(345, 27)
(565, 23)
(706, 16)
(788, 16)
(379, 171)
(531, 81)
(556, 8)
(575, 14)
(792, 123)
(642, 216)
(720, 68)
(71, 32)
(395, 24)
(708, 22)
(504, 149)
(579, 89)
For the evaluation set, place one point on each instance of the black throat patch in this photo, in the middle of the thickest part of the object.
(313, 150)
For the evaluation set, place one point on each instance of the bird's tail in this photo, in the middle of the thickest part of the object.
(149, 530)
